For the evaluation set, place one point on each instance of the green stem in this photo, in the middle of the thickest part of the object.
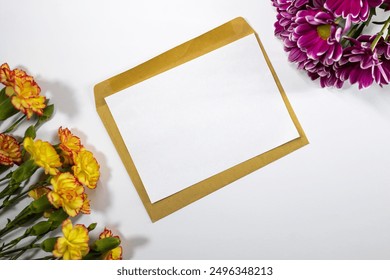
(8, 203)
(370, 17)
(6, 177)
(23, 217)
(13, 126)
(3, 179)
(10, 189)
(380, 34)
(15, 241)
(354, 32)
(30, 213)
(31, 246)
(21, 250)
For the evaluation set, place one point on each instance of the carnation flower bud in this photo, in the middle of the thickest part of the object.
(91, 227)
(40, 228)
(106, 244)
(48, 244)
(57, 217)
(40, 205)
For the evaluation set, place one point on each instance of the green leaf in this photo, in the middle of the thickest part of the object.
(30, 132)
(6, 108)
(24, 171)
(47, 113)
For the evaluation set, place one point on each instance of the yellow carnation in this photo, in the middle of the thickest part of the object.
(86, 169)
(86, 208)
(5, 75)
(23, 91)
(67, 193)
(43, 154)
(74, 244)
(114, 254)
(25, 95)
(38, 192)
(70, 145)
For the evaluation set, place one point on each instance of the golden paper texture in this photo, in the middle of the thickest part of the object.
(212, 40)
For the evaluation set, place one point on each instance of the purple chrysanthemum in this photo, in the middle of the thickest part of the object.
(326, 74)
(314, 68)
(295, 54)
(289, 5)
(356, 10)
(363, 65)
(323, 38)
(317, 34)
(382, 73)
(287, 9)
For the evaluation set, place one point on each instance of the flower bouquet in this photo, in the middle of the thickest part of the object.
(329, 40)
(49, 181)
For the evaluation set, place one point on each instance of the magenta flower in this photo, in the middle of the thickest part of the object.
(314, 68)
(295, 54)
(289, 5)
(287, 9)
(327, 75)
(318, 35)
(314, 33)
(382, 72)
(356, 10)
(362, 65)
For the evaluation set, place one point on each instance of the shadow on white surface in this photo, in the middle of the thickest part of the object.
(61, 95)
(130, 245)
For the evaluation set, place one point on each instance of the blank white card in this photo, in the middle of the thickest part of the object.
(201, 118)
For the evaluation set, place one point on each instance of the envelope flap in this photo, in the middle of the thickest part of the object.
(212, 40)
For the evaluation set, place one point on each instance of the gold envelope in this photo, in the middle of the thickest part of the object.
(212, 40)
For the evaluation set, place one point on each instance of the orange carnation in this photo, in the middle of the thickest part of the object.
(114, 254)
(23, 91)
(9, 150)
(5, 75)
(70, 145)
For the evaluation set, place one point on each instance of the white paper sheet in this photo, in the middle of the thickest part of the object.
(202, 117)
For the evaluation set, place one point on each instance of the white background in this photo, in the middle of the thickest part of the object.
(328, 200)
